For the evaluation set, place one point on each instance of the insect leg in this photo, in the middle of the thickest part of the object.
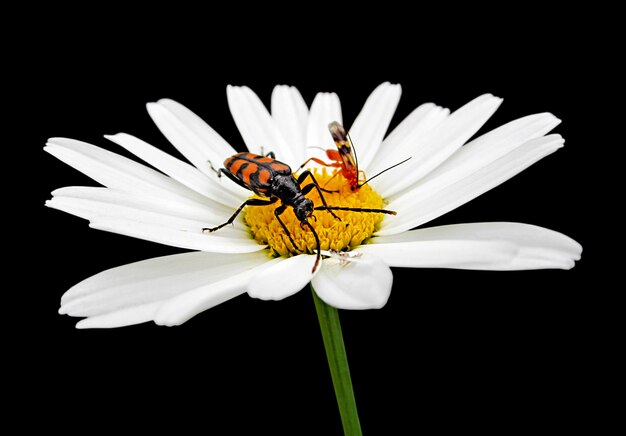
(332, 177)
(249, 202)
(231, 177)
(308, 188)
(216, 171)
(319, 161)
(316, 185)
(361, 176)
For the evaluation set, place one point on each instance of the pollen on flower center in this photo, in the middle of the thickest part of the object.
(334, 234)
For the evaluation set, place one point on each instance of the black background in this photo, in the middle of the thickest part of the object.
(470, 350)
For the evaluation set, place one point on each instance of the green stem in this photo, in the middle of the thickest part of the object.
(338, 362)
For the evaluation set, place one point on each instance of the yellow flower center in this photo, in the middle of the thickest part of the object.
(334, 234)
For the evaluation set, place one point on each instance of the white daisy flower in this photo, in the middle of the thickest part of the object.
(172, 205)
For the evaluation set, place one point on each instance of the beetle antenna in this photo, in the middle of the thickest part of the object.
(318, 255)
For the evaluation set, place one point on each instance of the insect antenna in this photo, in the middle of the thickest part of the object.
(356, 163)
(383, 171)
(356, 158)
(356, 209)
(318, 254)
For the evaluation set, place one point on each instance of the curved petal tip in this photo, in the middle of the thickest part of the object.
(354, 283)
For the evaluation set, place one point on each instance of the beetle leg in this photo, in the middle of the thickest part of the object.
(232, 177)
(221, 171)
(216, 171)
(308, 173)
(277, 212)
(269, 153)
(327, 190)
(249, 202)
(308, 189)
(315, 185)
(228, 174)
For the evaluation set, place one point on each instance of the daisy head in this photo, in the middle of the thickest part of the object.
(298, 206)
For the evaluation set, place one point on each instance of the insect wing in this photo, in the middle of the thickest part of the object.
(344, 146)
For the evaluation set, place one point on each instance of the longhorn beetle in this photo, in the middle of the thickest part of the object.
(345, 158)
(270, 178)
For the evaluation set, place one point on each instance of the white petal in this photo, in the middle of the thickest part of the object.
(181, 308)
(213, 243)
(133, 293)
(487, 246)
(291, 114)
(420, 115)
(369, 127)
(438, 195)
(283, 278)
(184, 307)
(121, 318)
(411, 132)
(496, 143)
(183, 209)
(362, 283)
(443, 254)
(90, 203)
(257, 127)
(194, 138)
(325, 109)
(152, 280)
(429, 151)
(210, 142)
(480, 153)
(118, 172)
(179, 170)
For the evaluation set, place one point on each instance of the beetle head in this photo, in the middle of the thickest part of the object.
(303, 210)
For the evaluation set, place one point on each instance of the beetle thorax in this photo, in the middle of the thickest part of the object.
(286, 188)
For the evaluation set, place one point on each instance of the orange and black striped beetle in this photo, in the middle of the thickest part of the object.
(345, 158)
(267, 177)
